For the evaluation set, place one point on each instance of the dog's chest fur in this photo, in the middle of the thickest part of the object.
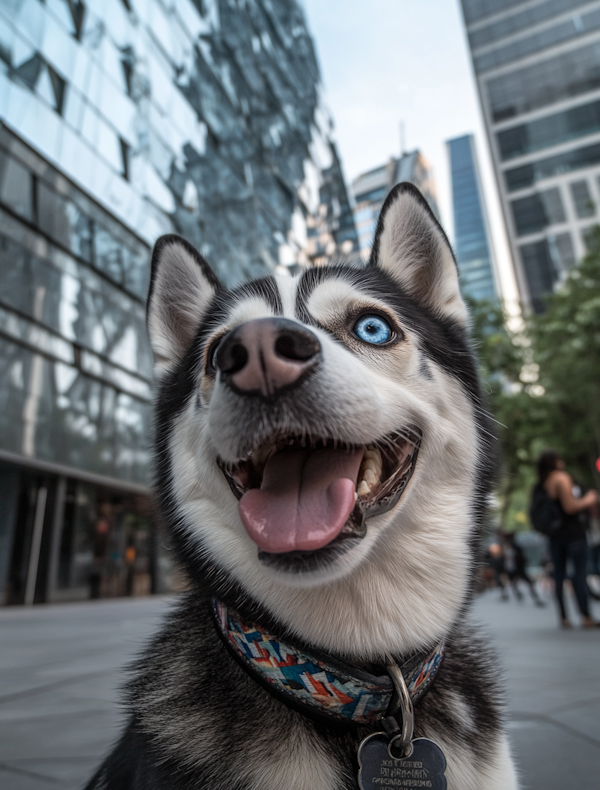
(200, 721)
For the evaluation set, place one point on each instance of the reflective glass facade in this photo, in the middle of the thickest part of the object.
(472, 245)
(120, 121)
(537, 64)
(201, 117)
(75, 368)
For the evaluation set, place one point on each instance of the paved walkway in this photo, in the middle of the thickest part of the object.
(553, 692)
(60, 668)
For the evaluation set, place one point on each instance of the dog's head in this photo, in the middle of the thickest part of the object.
(319, 437)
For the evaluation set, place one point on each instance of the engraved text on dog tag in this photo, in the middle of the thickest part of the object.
(424, 767)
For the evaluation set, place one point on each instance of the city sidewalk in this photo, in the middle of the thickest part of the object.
(553, 679)
(60, 667)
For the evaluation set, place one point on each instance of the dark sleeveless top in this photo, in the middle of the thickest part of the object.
(573, 526)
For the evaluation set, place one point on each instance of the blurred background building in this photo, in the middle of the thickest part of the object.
(121, 120)
(472, 242)
(371, 188)
(537, 66)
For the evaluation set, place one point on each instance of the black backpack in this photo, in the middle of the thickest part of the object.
(545, 513)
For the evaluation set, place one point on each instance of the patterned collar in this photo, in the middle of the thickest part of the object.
(320, 685)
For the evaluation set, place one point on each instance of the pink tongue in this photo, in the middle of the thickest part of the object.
(304, 501)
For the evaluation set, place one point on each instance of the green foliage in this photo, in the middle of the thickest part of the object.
(566, 342)
(518, 411)
(543, 383)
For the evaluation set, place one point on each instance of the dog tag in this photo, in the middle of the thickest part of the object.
(424, 767)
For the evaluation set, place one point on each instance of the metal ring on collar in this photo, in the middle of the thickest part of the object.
(404, 739)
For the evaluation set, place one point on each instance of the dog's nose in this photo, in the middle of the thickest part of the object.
(267, 355)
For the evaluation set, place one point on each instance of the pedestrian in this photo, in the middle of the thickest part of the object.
(568, 540)
(515, 567)
(594, 540)
(495, 558)
(594, 552)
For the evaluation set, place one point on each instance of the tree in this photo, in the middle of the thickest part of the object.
(513, 396)
(543, 382)
(566, 346)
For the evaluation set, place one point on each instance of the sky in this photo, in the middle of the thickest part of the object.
(387, 62)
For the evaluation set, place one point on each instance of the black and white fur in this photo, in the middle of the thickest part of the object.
(197, 720)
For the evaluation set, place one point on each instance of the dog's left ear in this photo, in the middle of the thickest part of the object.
(411, 247)
(182, 286)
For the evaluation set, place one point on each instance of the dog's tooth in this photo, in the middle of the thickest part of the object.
(373, 455)
(370, 477)
(364, 488)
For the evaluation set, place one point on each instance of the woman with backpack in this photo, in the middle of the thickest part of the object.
(559, 517)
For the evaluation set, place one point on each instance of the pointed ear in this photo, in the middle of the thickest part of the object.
(412, 248)
(182, 285)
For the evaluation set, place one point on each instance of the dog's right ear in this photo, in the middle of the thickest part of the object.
(182, 286)
(411, 247)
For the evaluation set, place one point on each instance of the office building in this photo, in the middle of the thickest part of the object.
(537, 65)
(121, 120)
(472, 241)
(371, 188)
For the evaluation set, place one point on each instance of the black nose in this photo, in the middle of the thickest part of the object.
(267, 355)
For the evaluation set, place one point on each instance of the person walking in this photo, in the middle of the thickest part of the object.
(568, 541)
(515, 567)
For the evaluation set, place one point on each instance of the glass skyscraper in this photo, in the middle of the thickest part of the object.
(121, 120)
(370, 189)
(472, 245)
(537, 64)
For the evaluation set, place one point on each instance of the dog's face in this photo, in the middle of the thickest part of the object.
(318, 436)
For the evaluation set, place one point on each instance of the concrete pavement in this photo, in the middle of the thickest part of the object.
(553, 681)
(60, 667)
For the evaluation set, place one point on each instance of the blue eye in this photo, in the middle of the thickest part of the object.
(372, 329)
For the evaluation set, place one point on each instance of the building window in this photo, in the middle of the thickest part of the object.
(528, 175)
(105, 546)
(77, 10)
(536, 212)
(108, 254)
(125, 153)
(584, 205)
(540, 271)
(127, 66)
(521, 20)
(549, 131)
(38, 76)
(589, 237)
(372, 196)
(541, 84)
(59, 88)
(479, 9)
(64, 222)
(16, 186)
(515, 50)
(561, 249)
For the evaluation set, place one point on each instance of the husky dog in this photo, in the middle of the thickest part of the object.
(322, 461)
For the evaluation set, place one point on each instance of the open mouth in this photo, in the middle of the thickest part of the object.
(302, 496)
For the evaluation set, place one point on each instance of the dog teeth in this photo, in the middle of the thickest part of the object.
(370, 471)
(364, 488)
